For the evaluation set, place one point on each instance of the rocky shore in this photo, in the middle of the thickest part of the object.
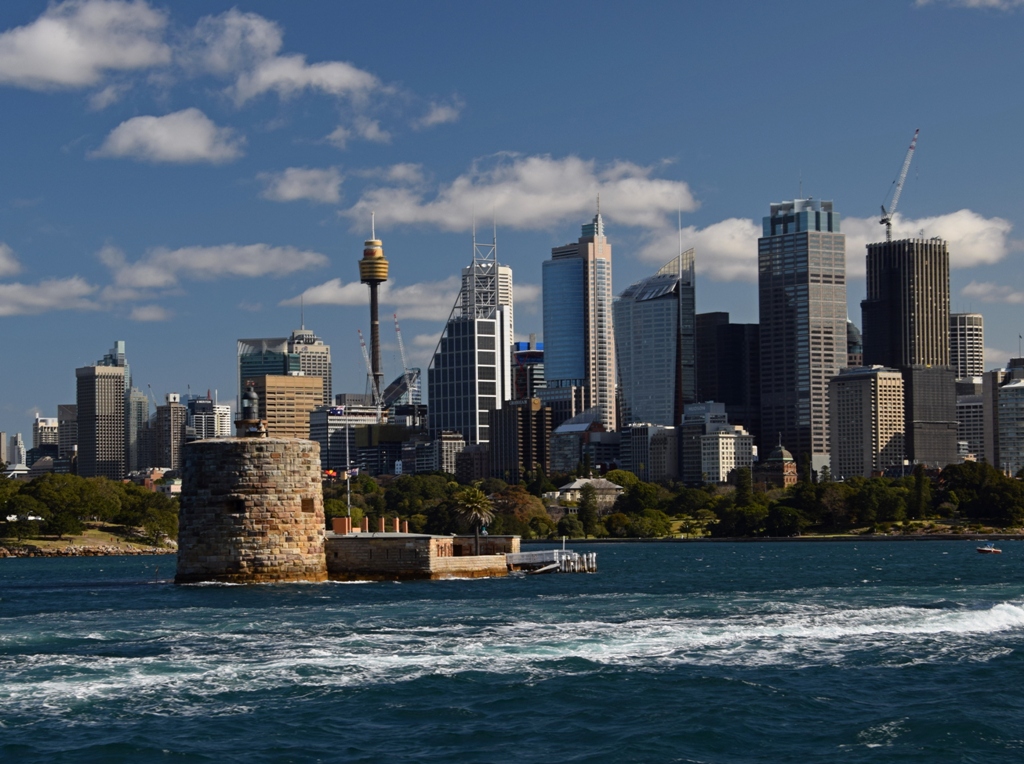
(72, 550)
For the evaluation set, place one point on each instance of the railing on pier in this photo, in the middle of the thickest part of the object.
(551, 560)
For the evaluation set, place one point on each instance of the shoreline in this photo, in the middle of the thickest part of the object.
(80, 551)
(797, 539)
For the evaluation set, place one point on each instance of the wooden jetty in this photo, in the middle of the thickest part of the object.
(552, 561)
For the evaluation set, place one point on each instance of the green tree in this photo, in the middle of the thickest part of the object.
(28, 514)
(570, 526)
(475, 507)
(920, 495)
(622, 477)
(587, 510)
(62, 496)
(744, 487)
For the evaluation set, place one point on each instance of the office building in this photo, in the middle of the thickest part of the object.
(967, 344)
(527, 368)
(579, 342)
(3, 448)
(286, 401)
(907, 327)
(44, 431)
(17, 454)
(729, 368)
(802, 308)
(970, 428)
(101, 425)
(655, 338)
(334, 428)
(139, 450)
(470, 374)
(724, 450)
(650, 451)
(866, 407)
(520, 440)
(302, 353)
(169, 426)
(1011, 427)
(854, 346)
(67, 430)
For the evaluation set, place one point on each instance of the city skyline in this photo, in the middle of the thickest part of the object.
(191, 175)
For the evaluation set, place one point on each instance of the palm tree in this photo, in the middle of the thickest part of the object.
(475, 507)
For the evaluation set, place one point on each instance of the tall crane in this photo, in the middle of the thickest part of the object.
(370, 379)
(887, 215)
(411, 378)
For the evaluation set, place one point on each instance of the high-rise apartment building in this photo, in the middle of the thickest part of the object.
(655, 338)
(907, 327)
(101, 426)
(802, 307)
(302, 353)
(579, 342)
(967, 344)
(729, 369)
(866, 410)
(470, 374)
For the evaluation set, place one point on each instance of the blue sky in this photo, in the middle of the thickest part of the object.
(177, 175)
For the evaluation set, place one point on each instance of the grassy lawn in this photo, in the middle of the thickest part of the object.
(94, 535)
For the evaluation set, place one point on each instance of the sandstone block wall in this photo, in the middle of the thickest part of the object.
(251, 511)
(400, 557)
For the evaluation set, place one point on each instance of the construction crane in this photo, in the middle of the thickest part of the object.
(369, 374)
(887, 215)
(406, 371)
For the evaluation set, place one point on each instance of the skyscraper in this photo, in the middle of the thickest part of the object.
(44, 431)
(967, 344)
(729, 369)
(101, 427)
(579, 344)
(470, 374)
(67, 430)
(866, 406)
(169, 432)
(302, 353)
(656, 341)
(802, 306)
(907, 327)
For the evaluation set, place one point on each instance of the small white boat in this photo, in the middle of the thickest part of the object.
(989, 548)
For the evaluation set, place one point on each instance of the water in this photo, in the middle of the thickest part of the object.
(751, 652)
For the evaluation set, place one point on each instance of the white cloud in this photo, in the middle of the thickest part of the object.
(339, 137)
(370, 130)
(162, 268)
(724, 251)
(534, 192)
(426, 341)
(1002, 5)
(74, 43)
(989, 292)
(290, 75)
(297, 183)
(9, 264)
(53, 294)
(972, 239)
(440, 114)
(150, 313)
(101, 99)
(525, 294)
(185, 136)
(428, 300)
(996, 358)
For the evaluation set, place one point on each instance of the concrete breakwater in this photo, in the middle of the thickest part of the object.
(72, 550)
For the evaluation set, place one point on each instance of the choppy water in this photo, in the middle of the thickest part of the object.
(787, 652)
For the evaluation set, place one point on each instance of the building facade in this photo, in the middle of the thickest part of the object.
(866, 407)
(44, 431)
(655, 339)
(286, 403)
(520, 440)
(802, 308)
(1011, 427)
(579, 342)
(729, 368)
(725, 450)
(101, 426)
(470, 374)
(967, 344)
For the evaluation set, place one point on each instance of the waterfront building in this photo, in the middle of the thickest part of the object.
(866, 407)
(470, 374)
(967, 344)
(802, 308)
(729, 368)
(655, 338)
(907, 327)
(579, 342)
(100, 392)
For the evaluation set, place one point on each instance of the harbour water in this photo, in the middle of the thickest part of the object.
(746, 652)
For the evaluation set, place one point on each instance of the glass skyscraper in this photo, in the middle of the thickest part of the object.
(579, 346)
(801, 266)
(654, 336)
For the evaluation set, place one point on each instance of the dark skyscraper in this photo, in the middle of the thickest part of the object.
(906, 326)
(729, 369)
(802, 304)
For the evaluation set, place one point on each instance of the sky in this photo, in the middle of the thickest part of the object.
(180, 175)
